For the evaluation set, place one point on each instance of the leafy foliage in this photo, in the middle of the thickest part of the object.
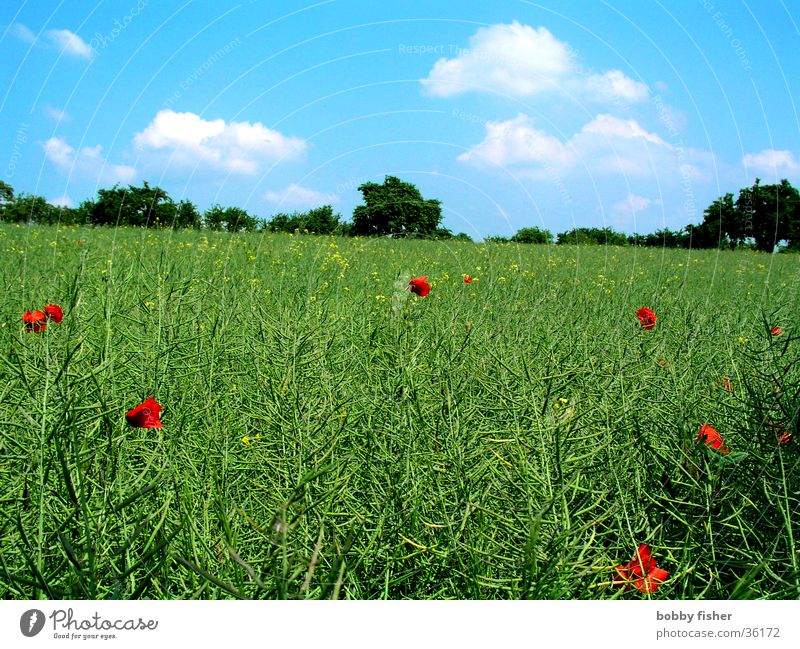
(533, 235)
(229, 219)
(6, 193)
(762, 214)
(584, 236)
(319, 220)
(395, 208)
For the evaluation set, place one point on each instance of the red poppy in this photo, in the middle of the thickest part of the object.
(419, 286)
(467, 279)
(776, 331)
(784, 436)
(145, 415)
(641, 572)
(34, 321)
(726, 383)
(713, 438)
(646, 318)
(54, 313)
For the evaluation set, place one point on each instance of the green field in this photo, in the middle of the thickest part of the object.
(328, 434)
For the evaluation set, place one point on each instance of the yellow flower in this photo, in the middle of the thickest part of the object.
(246, 440)
(742, 340)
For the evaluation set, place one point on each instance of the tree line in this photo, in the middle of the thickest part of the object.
(394, 208)
(760, 217)
(148, 206)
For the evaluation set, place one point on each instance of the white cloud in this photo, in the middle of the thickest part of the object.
(584, 174)
(517, 142)
(62, 39)
(69, 43)
(614, 85)
(607, 144)
(236, 147)
(633, 204)
(61, 201)
(627, 129)
(773, 163)
(23, 33)
(522, 61)
(296, 196)
(87, 162)
(56, 114)
(515, 59)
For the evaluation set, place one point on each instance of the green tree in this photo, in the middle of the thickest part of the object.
(281, 222)
(186, 216)
(764, 214)
(664, 238)
(723, 217)
(26, 208)
(791, 209)
(138, 206)
(319, 220)
(395, 207)
(6, 193)
(589, 236)
(533, 235)
(783, 223)
(709, 234)
(769, 213)
(751, 215)
(83, 213)
(231, 219)
(6, 197)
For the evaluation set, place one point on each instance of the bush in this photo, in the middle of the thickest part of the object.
(592, 236)
(395, 208)
(533, 235)
(320, 220)
(230, 219)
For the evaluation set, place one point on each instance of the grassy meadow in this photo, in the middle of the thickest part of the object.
(328, 434)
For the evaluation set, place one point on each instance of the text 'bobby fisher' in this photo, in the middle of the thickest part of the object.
(69, 622)
(702, 616)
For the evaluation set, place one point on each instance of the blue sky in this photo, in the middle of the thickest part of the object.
(552, 114)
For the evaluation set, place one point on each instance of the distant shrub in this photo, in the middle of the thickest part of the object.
(533, 235)
(592, 236)
(319, 220)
